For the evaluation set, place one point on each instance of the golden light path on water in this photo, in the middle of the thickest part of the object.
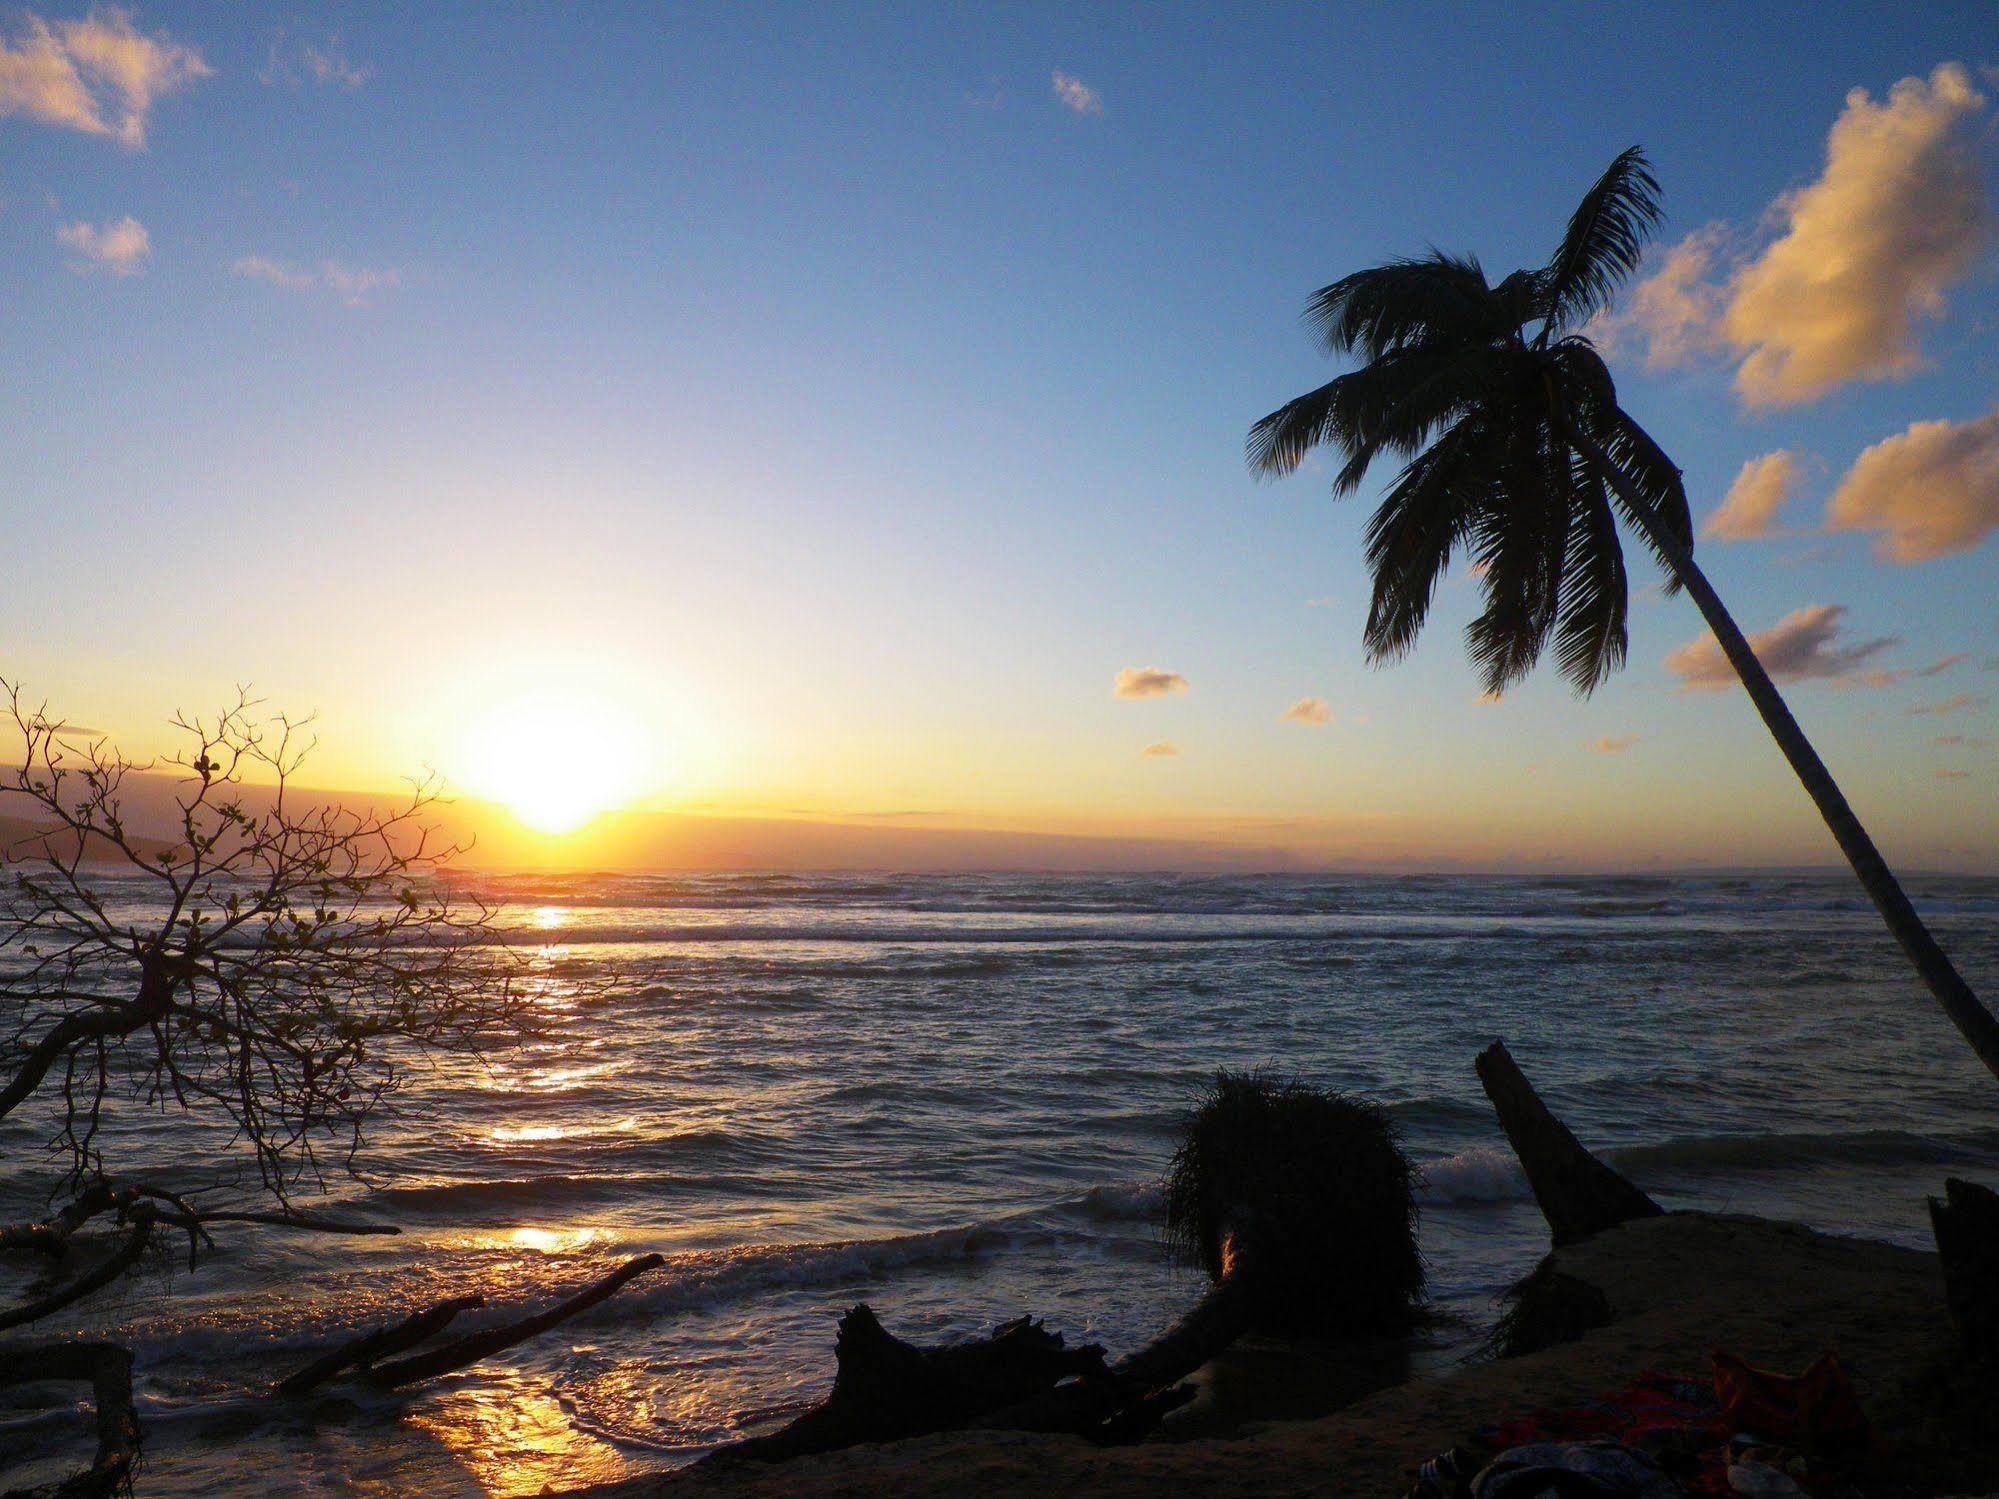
(502, 1427)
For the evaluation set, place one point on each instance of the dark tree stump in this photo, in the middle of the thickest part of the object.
(1578, 1194)
(1966, 1224)
(885, 1389)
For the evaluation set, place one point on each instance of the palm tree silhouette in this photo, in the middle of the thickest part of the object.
(1514, 448)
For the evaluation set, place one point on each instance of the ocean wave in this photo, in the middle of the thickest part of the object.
(1472, 1176)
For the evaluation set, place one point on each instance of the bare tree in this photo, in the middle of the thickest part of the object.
(264, 960)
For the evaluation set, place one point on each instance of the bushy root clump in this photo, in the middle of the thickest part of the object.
(1319, 1183)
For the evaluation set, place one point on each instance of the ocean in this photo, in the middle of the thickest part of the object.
(953, 1097)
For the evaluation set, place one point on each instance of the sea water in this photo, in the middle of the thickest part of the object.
(954, 1097)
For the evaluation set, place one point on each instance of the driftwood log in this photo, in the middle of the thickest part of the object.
(1578, 1194)
(367, 1352)
(97, 1276)
(107, 1367)
(1020, 1377)
(1966, 1224)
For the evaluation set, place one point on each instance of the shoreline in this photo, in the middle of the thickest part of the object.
(1679, 1287)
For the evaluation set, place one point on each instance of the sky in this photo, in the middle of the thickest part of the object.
(836, 413)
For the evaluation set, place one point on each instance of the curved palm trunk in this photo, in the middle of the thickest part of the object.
(1951, 991)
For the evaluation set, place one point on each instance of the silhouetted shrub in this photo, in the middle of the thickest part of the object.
(1325, 1189)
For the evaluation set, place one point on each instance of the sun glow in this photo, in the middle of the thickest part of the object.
(556, 754)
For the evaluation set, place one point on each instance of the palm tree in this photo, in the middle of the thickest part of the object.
(1514, 448)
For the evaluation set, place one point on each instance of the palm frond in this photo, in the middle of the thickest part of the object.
(1436, 298)
(1657, 483)
(1278, 443)
(1422, 521)
(1519, 540)
(1394, 404)
(1605, 237)
(1590, 636)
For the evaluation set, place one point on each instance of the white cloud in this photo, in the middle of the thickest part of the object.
(1077, 95)
(351, 284)
(1931, 489)
(322, 63)
(1897, 216)
(1801, 646)
(1159, 750)
(1147, 681)
(1309, 710)
(1613, 744)
(118, 248)
(1761, 485)
(99, 75)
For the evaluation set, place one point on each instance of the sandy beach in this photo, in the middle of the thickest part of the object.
(1679, 1287)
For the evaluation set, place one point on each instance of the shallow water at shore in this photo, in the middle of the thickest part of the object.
(953, 1097)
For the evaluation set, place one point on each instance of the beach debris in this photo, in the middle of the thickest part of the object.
(1550, 1307)
(368, 1349)
(365, 1353)
(107, 1367)
(1298, 1203)
(141, 1216)
(885, 1389)
(1578, 1194)
(1966, 1224)
(1313, 1184)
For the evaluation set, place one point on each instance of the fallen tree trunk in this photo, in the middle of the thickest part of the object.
(885, 1389)
(108, 1368)
(113, 1265)
(1966, 1225)
(383, 1342)
(475, 1346)
(1577, 1193)
(1020, 1377)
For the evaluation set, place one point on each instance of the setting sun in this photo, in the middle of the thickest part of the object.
(555, 755)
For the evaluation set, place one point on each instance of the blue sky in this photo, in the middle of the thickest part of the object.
(843, 408)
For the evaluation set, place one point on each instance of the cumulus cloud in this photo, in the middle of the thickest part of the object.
(1075, 94)
(99, 75)
(1801, 646)
(1896, 216)
(353, 285)
(1309, 710)
(1674, 310)
(1760, 487)
(120, 248)
(1957, 702)
(1147, 681)
(1613, 744)
(1930, 490)
(322, 63)
(1159, 749)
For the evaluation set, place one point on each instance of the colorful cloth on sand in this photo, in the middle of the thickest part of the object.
(1676, 1420)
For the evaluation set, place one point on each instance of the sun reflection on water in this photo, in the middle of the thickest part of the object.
(516, 1440)
(552, 1240)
